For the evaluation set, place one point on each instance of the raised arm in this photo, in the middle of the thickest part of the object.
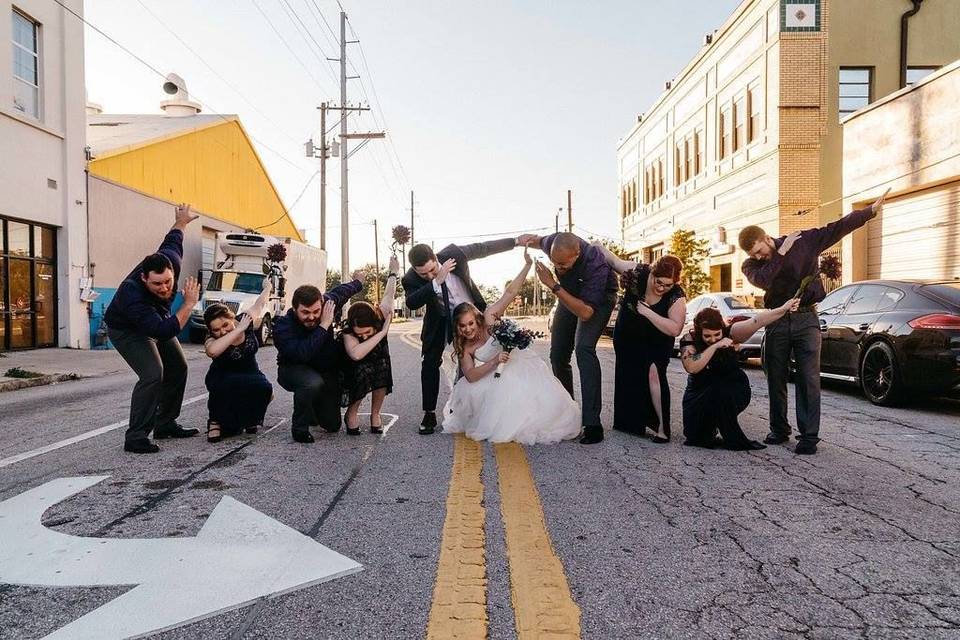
(216, 346)
(832, 233)
(481, 250)
(386, 303)
(742, 330)
(496, 309)
(616, 263)
(672, 325)
(358, 350)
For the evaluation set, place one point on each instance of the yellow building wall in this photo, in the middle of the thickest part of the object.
(215, 169)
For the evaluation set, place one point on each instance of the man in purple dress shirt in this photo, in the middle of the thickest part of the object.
(778, 266)
(586, 287)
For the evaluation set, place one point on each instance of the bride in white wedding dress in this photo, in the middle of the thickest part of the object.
(526, 404)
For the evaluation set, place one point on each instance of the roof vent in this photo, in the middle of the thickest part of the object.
(181, 104)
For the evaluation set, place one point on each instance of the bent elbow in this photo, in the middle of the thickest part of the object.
(586, 314)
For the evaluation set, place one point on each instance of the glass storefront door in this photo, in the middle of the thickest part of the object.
(28, 291)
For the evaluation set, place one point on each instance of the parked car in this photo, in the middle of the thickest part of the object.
(733, 307)
(894, 338)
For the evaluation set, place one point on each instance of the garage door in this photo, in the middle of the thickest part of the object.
(917, 236)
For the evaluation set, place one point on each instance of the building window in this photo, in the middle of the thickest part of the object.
(646, 186)
(634, 193)
(698, 147)
(28, 291)
(687, 159)
(725, 123)
(739, 123)
(855, 89)
(677, 165)
(753, 105)
(660, 178)
(916, 74)
(26, 65)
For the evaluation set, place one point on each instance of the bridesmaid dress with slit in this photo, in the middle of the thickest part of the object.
(638, 344)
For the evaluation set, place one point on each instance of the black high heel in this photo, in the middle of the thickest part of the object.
(376, 428)
(214, 426)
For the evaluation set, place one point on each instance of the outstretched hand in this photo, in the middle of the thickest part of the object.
(788, 242)
(394, 265)
(790, 305)
(191, 292)
(526, 256)
(877, 207)
(527, 239)
(183, 216)
(326, 316)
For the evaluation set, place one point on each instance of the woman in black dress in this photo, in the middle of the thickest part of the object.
(717, 388)
(368, 370)
(652, 313)
(239, 392)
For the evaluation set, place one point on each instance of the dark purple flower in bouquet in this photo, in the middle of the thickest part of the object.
(401, 236)
(829, 266)
(512, 336)
(277, 252)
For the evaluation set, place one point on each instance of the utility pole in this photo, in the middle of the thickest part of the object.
(344, 109)
(569, 211)
(323, 176)
(376, 257)
(556, 220)
(411, 217)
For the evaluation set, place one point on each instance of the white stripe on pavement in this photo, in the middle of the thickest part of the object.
(26, 455)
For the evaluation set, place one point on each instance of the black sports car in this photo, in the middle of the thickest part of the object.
(893, 337)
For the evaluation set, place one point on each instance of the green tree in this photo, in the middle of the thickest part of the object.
(692, 252)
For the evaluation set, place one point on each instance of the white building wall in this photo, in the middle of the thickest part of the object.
(42, 162)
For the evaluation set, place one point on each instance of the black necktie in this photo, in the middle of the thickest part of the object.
(446, 310)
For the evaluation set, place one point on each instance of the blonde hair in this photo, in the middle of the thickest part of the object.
(459, 342)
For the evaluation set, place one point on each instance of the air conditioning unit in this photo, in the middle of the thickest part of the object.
(708, 39)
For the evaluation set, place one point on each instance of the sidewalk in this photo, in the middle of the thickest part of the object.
(59, 365)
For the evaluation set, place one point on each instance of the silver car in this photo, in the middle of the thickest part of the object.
(733, 307)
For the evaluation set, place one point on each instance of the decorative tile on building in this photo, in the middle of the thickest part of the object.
(799, 16)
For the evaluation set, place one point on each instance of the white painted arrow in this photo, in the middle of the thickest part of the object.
(239, 556)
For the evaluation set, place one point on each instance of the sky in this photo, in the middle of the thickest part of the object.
(492, 109)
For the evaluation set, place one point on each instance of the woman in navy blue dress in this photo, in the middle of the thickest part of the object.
(239, 392)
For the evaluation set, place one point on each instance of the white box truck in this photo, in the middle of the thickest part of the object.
(242, 267)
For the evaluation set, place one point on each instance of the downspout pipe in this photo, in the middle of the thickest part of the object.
(904, 30)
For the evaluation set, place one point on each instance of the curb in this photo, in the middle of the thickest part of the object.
(25, 383)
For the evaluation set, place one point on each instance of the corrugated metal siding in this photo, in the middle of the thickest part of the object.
(215, 169)
(917, 236)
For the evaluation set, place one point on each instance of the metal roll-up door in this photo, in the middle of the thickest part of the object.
(917, 236)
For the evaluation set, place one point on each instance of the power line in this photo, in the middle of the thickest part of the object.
(287, 45)
(489, 235)
(163, 75)
(323, 57)
(291, 207)
(215, 72)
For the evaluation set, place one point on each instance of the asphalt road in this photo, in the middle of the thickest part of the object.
(654, 541)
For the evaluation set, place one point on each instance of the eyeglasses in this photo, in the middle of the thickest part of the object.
(661, 284)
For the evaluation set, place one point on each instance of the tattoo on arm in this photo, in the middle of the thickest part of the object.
(696, 356)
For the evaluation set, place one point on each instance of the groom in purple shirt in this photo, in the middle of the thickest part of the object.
(586, 288)
(778, 266)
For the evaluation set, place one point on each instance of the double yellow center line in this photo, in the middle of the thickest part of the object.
(542, 602)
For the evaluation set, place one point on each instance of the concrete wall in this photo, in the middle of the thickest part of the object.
(125, 226)
(35, 151)
(909, 141)
(866, 33)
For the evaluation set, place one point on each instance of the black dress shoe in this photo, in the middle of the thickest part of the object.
(806, 448)
(140, 446)
(175, 431)
(302, 436)
(429, 423)
(592, 437)
(776, 438)
(756, 446)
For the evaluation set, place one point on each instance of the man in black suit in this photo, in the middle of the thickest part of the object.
(440, 282)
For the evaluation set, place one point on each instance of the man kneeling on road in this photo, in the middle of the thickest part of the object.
(309, 357)
(144, 331)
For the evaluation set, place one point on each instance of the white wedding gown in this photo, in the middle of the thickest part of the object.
(526, 404)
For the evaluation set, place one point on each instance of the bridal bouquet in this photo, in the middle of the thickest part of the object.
(829, 266)
(512, 336)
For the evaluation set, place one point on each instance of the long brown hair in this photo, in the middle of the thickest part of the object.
(459, 342)
(667, 266)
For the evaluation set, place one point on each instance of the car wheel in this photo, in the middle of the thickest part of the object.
(265, 332)
(880, 375)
